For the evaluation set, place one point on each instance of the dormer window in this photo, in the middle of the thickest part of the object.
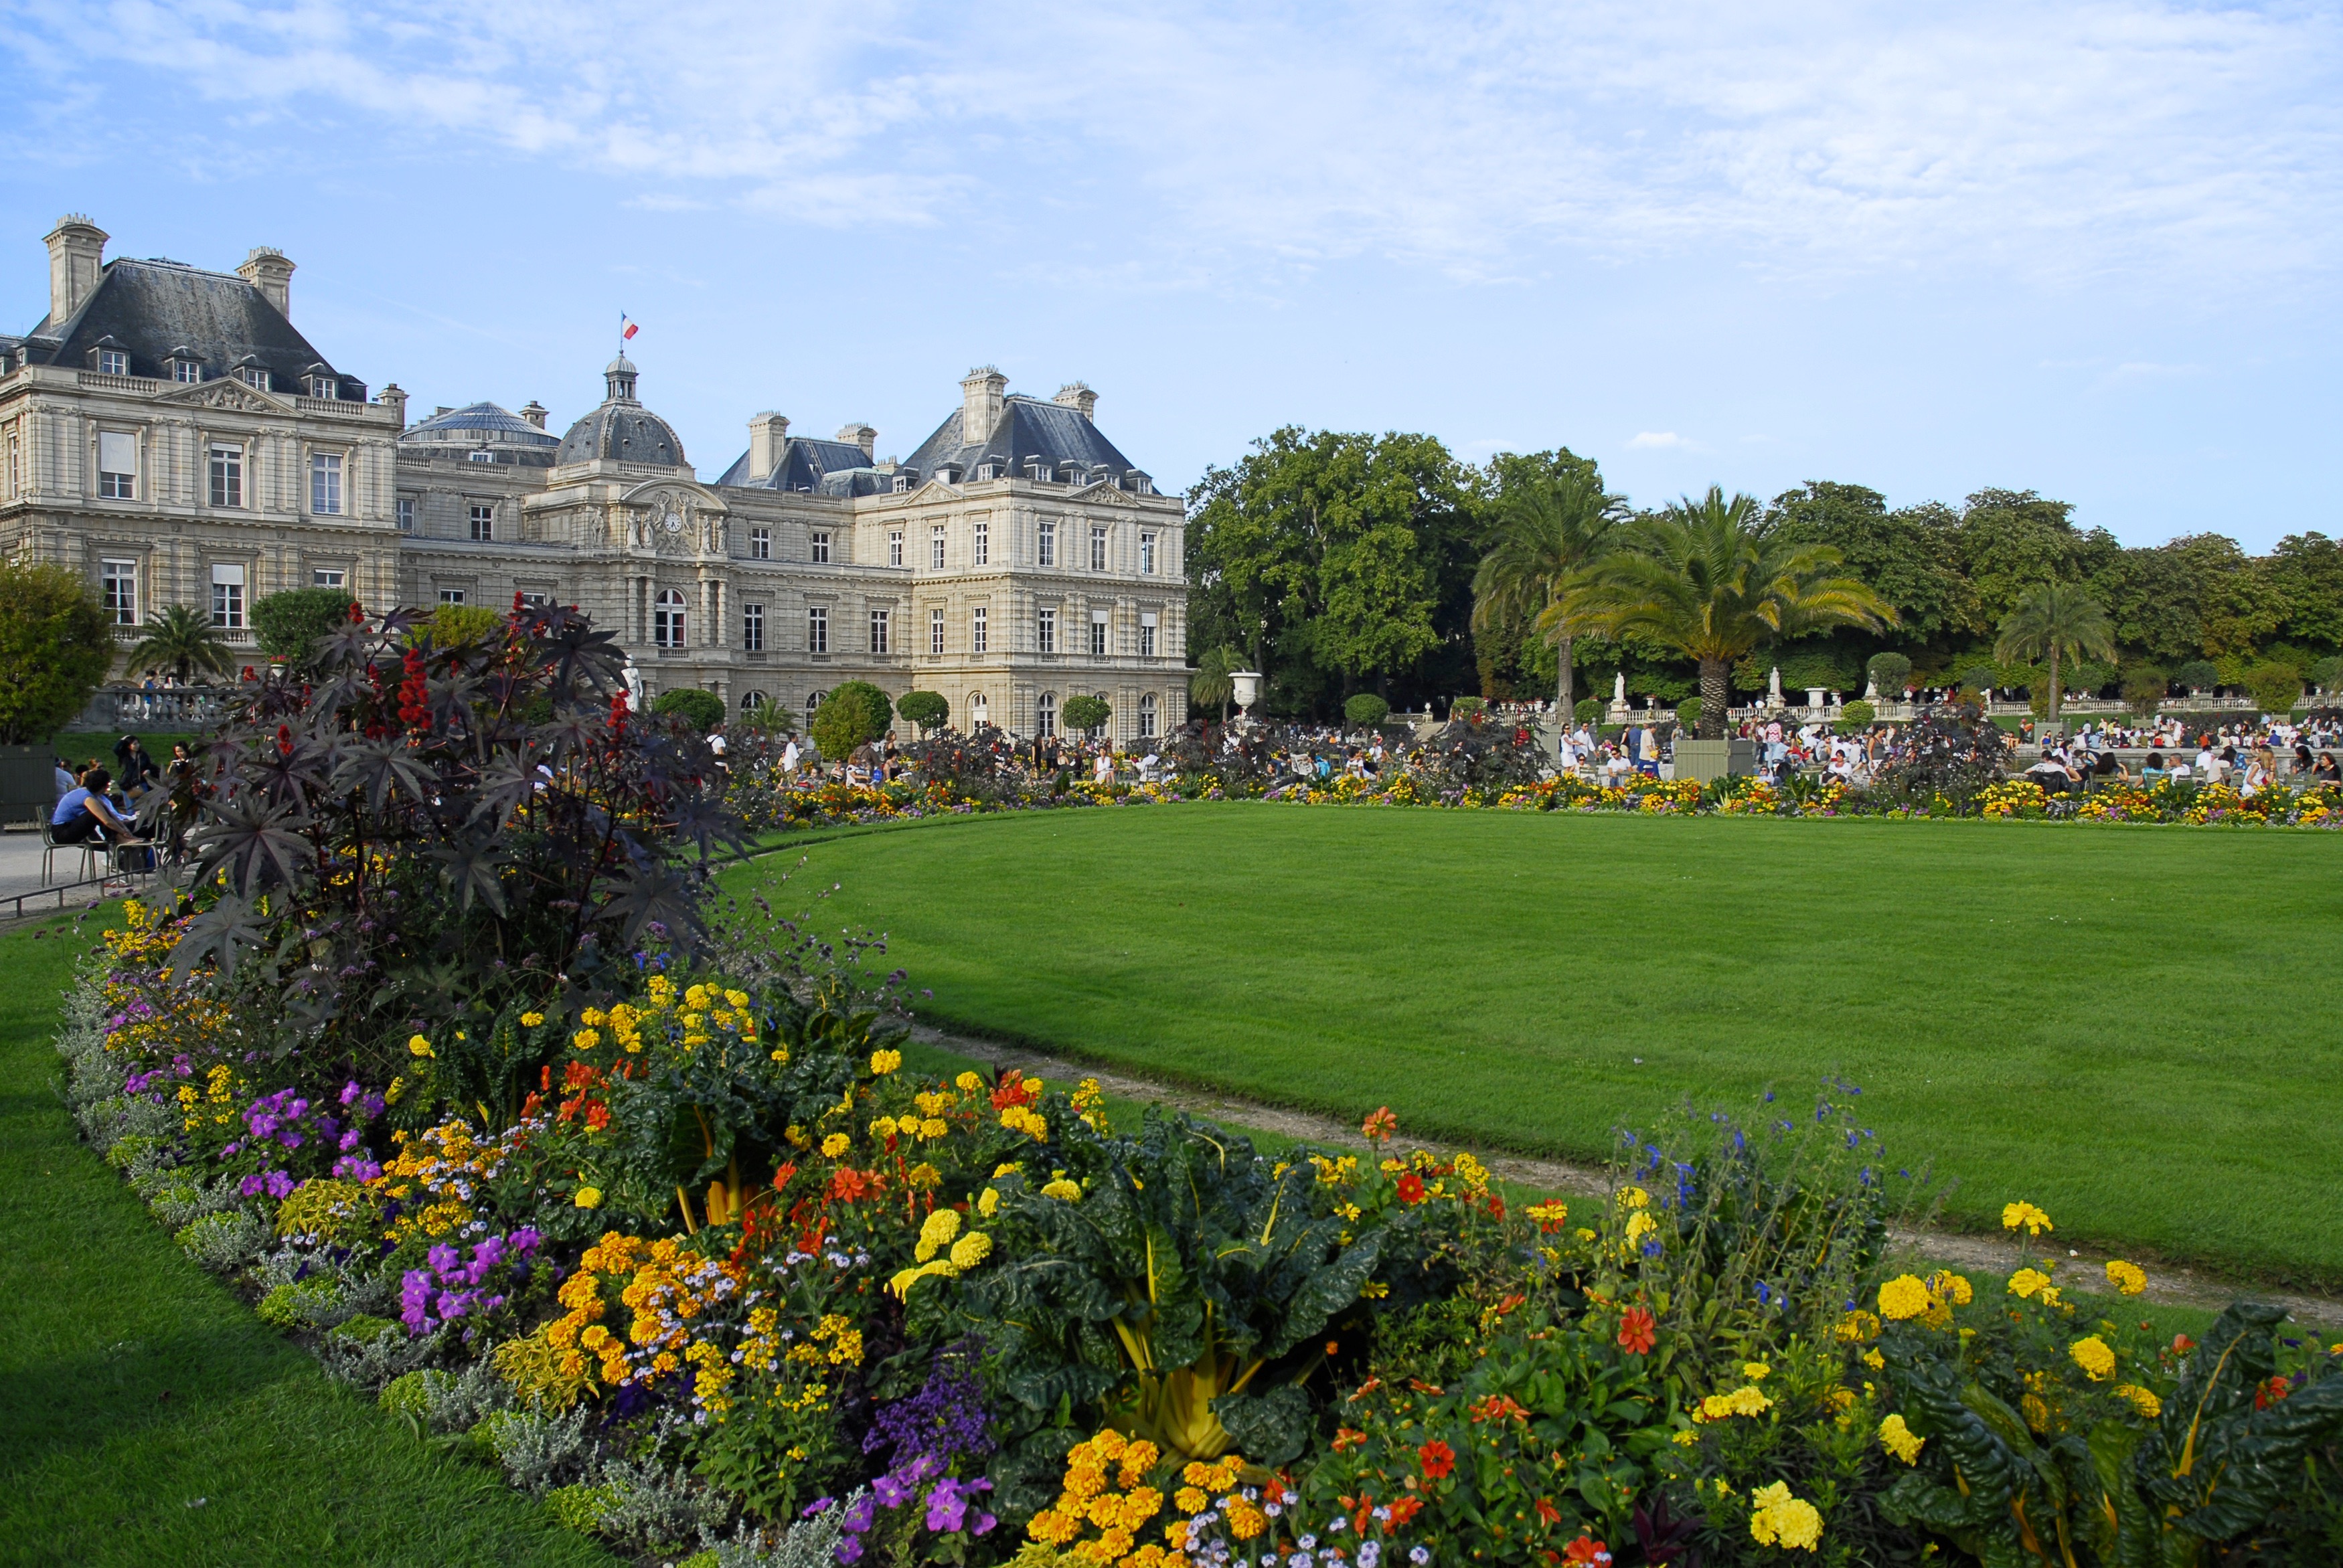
(327, 386)
(988, 471)
(186, 369)
(1042, 473)
(253, 376)
(113, 362)
(481, 454)
(902, 483)
(1141, 485)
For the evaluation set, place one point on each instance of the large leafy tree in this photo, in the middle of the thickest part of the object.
(2051, 622)
(1550, 527)
(55, 648)
(1907, 555)
(290, 624)
(2011, 540)
(182, 641)
(1333, 559)
(1705, 577)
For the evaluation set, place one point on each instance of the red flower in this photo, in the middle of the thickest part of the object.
(2267, 1395)
(1411, 1188)
(1437, 1458)
(848, 1183)
(1402, 1509)
(1638, 1331)
(1590, 1552)
(2182, 1345)
(1496, 1207)
(782, 1176)
(1548, 1511)
(1348, 1437)
(1380, 1126)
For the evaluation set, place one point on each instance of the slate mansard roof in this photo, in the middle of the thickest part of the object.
(1028, 428)
(504, 435)
(153, 309)
(825, 468)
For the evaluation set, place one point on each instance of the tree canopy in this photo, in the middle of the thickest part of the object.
(55, 649)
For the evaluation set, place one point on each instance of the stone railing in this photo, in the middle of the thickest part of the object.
(123, 708)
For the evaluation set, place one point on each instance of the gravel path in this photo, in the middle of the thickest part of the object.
(2166, 1282)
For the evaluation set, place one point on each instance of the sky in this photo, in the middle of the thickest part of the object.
(2089, 250)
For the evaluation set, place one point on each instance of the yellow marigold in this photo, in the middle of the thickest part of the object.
(1053, 1527)
(1640, 1224)
(836, 1144)
(1899, 1440)
(968, 1083)
(937, 1233)
(1749, 1401)
(1633, 1198)
(2036, 1413)
(1947, 1286)
(970, 1251)
(2026, 1217)
(1190, 1499)
(587, 1039)
(588, 1198)
(531, 1019)
(2027, 1283)
(1064, 1190)
(883, 1062)
(417, 1045)
(2125, 1277)
(1873, 1360)
(1781, 1520)
(2092, 1356)
(1856, 1327)
(933, 1128)
(1904, 1297)
(1139, 1506)
(988, 1203)
(884, 1127)
(1755, 1371)
(2142, 1400)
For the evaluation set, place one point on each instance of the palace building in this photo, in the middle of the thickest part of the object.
(171, 434)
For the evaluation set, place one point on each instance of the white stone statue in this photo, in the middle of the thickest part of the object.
(1619, 689)
(634, 679)
(1774, 687)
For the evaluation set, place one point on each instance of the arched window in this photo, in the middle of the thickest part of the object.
(752, 700)
(667, 619)
(1099, 731)
(979, 712)
(1147, 717)
(813, 701)
(1045, 714)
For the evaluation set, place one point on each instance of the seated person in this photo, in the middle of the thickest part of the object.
(2154, 772)
(2325, 770)
(85, 813)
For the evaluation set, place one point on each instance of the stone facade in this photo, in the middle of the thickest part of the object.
(1014, 560)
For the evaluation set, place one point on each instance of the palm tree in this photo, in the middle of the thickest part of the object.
(1701, 576)
(182, 641)
(1211, 681)
(1547, 533)
(2051, 621)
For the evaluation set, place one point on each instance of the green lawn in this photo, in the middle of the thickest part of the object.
(146, 1416)
(2132, 1028)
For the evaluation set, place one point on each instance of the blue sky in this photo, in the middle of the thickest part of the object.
(2088, 249)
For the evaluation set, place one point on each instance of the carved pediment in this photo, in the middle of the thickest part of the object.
(1099, 491)
(675, 518)
(233, 397)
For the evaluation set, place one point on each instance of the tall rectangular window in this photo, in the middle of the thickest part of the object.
(879, 630)
(894, 547)
(328, 577)
(975, 630)
(113, 362)
(936, 548)
(405, 513)
(325, 483)
(935, 631)
(1146, 552)
(1098, 634)
(187, 370)
(1046, 546)
(1147, 636)
(228, 597)
(752, 628)
(484, 525)
(820, 546)
(227, 475)
(1045, 631)
(15, 462)
(118, 465)
(761, 543)
(817, 629)
(254, 377)
(118, 591)
(1098, 547)
(980, 543)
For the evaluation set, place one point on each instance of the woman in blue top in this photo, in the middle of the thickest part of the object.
(85, 813)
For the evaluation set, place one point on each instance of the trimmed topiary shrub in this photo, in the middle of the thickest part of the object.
(927, 710)
(854, 713)
(1085, 713)
(1587, 709)
(1889, 672)
(1855, 715)
(287, 624)
(2275, 688)
(1467, 708)
(1688, 712)
(703, 710)
(1366, 708)
(2198, 674)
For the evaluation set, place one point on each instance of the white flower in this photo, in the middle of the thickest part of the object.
(1420, 1556)
(1371, 1552)
(1308, 1544)
(1334, 1525)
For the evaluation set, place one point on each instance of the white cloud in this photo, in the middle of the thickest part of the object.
(1658, 440)
(2189, 146)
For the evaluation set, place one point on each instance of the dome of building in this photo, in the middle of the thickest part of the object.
(621, 430)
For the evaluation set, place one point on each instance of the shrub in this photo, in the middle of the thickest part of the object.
(2327, 674)
(1889, 672)
(2198, 674)
(54, 647)
(1856, 714)
(225, 1242)
(2143, 685)
(1366, 708)
(2275, 688)
(855, 714)
(1587, 709)
(1688, 712)
(927, 710)
(1467, 708)
(290, 624)
(1086, 713)
(703, 710)
(453, 626)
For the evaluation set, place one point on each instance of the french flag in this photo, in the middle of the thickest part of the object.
(627, 328)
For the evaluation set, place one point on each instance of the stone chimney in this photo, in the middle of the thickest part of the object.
(1077, 396)
(394, 397)
(861, 436)
(768, 433)
(982, 391)
(534, 412)
(267, 270)
(76, 252)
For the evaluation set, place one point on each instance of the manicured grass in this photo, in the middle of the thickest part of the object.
(2132, 1028)
(146, 1416)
